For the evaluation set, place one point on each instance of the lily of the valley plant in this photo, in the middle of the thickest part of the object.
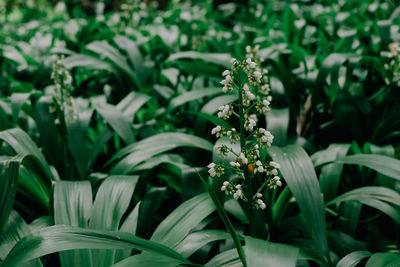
(253, 174)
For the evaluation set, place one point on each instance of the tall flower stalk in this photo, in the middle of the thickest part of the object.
(254, 174)
(63, 84)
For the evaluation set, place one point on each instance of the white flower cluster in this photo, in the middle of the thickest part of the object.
(264, 137)
(254, 100)
(227, 82)
(225, 111)
(259, 204)
(215, 170)
(235, 191)
(63, 83)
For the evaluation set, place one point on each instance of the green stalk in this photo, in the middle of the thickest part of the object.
(257, 228)
(225, 219)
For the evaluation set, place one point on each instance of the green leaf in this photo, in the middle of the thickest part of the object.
(72, 203)
(60, 238)
(386, 165)
(148, 260)
(76, 135)
(262, 253)
(72, 206)
(191, 96)
(24, 146)
(329, 178)
(81, 60)
(156, 144)
(383, 259)
(278, 124)
(376, 197)
(15, 230)
(9, 171)
(118, 121)
(353, 258)
(198, 239)
(213, 58)
(149, 206)
(104, 49)
(134, 56)
(226, 221)
(54, 147)
(112, 201)
(173, 229)
(224, 259)
(299, 174)
(132, 103)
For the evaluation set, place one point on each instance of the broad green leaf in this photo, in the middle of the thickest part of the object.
(224, 259)
(299, 174)
(149, 207)
(191, 96)
(278, 124)
(118, 121)
(60, 238)
(129, 225)
(342, 243)
(72, 206)
(148, 260)
(213, 58)
(81, 60)
(17, 101)
(72, 203)
(104, 49)
(54, 147)
(352, 259)
(149, 147)
(369, 192)
(173, 229)
(112, 201)
(376, 197)
(103, 137)
(198, 239)
(383, 259)
(9, 171)
(329, 178)
(134, 56)
(262, 253)
(76, 136)
(386, 165)
(132, 103)
(34, 185)
(15, 230)
(24, 146)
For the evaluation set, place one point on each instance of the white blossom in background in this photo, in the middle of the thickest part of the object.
(63, 84)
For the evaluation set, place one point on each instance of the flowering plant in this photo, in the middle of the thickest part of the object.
(254, 174)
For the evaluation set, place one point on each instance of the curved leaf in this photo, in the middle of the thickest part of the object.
(353, 258)
(23, 145)
(9, 171)
(383, 259)
(173, 229)
(145, 149)
(299, 174)
(60, 238)
(386, 165)
(262, 253)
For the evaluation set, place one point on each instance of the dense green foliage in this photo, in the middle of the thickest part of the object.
(111, 169)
